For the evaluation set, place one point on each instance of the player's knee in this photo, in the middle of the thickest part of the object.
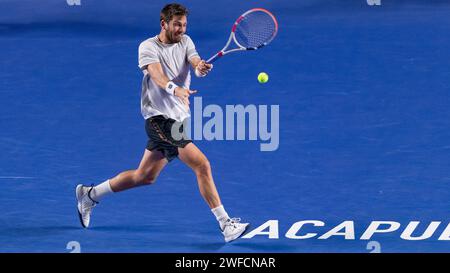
(204, 167)
(149, 180)
(145, 178)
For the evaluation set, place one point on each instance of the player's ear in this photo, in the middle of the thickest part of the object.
(163, 24)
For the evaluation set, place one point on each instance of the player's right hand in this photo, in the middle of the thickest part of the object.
(204, 68)
(184, 94)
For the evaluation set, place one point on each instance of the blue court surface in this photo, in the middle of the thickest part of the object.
(364, 128)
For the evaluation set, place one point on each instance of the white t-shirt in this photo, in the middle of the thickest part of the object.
(174, 59)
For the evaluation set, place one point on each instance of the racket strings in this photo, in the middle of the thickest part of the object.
(255, 30)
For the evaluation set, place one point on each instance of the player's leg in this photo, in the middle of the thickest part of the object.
(88, 196)
(151, 165)
(197, 161)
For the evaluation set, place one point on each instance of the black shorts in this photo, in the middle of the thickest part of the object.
(159, 131)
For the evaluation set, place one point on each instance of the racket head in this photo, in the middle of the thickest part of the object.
(255, 28)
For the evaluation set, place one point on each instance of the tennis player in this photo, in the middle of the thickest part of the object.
(165, 60)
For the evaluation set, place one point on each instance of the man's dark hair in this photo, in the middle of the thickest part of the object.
(171, 10)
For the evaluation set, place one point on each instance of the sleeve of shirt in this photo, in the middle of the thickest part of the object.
(191, 51)
(147, 55)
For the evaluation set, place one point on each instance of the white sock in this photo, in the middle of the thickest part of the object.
(221, 215)
(101, 190)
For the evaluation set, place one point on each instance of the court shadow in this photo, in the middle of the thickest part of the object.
(36, 231)
(137, 228)
(207, 247)
(74, 27)
(265, 247)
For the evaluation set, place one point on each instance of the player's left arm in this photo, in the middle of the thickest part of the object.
(200, 66)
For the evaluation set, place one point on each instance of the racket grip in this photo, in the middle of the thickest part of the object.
(215, 57)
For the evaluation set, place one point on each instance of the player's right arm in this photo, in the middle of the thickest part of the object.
(157, 74)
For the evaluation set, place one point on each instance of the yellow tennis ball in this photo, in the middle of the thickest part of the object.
(263, 77)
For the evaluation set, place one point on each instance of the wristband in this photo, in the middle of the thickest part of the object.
(170, 87)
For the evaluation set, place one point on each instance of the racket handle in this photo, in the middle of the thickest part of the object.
(215, 57)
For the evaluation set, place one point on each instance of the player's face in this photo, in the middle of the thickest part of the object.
(176, 28)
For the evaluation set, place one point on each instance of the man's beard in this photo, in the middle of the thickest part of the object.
(172, 38)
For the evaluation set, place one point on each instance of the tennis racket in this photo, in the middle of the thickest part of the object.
(252, 30)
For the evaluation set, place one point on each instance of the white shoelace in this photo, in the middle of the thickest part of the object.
(88, 203)
(233, 222)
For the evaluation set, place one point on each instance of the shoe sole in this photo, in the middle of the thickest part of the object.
(77, 190)
(236, 236)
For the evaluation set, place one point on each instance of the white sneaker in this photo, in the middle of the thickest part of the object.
(85, 204)
(233, 229)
